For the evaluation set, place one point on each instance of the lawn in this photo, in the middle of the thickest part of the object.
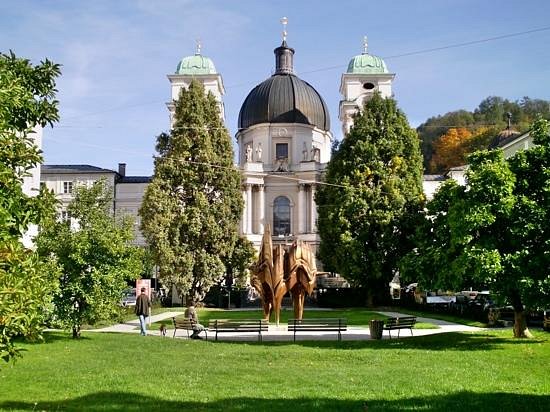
(126, 372)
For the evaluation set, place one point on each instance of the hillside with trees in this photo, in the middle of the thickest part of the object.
(447, 139)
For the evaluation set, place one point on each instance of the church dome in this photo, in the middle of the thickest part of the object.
(367, 64)
(284, 98)
(197, 64)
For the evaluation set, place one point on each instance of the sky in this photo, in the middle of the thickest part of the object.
(115, 55)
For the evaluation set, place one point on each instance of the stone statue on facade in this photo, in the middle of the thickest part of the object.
(259, 152)
(304, 153)
(248, 153)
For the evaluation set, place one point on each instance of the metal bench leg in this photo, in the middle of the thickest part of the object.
(174, 335)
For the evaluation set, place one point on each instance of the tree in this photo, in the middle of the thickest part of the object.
(494, 231)
(491, 114)
(97, 258)
(192, 207)
(238, 261)
(372, 192)
(449, 149)
(27, 100)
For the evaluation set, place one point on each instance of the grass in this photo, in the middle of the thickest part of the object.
(354, 316)
(126, 372)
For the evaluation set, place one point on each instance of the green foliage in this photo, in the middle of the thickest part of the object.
(494, 232)
(238, 262)
(26, 101)
(372, 196)
(491, 113)
(191, 208)
(96, 257)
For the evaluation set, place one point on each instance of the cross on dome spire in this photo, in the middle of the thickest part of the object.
(284, 22)
(199, 45)
(365, 45)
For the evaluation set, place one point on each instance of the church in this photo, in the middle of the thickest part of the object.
(284, 143)
(284, 138)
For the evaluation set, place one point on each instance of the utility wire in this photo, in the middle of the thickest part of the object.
(395, 56)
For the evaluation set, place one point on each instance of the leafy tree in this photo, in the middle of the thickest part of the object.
(192, 207)
(27, 100)
(493, 232)
(97, 258)
(238, 261)
(491, 113)
(373, 191)
(450, 149)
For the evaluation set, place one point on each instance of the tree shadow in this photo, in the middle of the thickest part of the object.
(457, 341)
(126, 401)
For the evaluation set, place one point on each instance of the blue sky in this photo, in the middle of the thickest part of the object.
(116, 55)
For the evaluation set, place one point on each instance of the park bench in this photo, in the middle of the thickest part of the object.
(404, 322)
(238, 326)
(184, 324)
(318, 325)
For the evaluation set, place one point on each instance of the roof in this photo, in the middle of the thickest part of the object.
(135, 179)
(504, 137)
(60, 169)
(284, 98)
(367, 64)
(197, 64)
(433, 178)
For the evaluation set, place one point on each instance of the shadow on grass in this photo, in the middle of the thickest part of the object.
(123, 401)
(457, 341)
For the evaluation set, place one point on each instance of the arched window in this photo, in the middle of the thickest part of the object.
(281, 216)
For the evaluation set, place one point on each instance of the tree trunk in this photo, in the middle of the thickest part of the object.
(520, 323)
(76, 331)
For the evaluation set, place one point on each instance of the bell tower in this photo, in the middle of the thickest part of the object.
(366, 74)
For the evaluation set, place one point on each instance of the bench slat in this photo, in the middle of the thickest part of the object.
(398, 323)
(318, 325)
(239, 325)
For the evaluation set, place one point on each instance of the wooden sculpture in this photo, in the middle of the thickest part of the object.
(300, 275)
(267, 276)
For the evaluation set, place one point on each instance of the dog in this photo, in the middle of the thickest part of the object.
(162, 329)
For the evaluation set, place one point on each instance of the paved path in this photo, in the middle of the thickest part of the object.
(280, 333)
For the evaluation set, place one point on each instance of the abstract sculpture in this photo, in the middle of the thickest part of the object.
(300, 277)
(278, 271)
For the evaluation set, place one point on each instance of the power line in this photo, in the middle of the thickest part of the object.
(396, 56)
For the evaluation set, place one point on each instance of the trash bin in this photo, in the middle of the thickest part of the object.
(376, 328)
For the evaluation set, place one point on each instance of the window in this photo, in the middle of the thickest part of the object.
(281, 216)
(281, 150)
(368, 86)
(67, 187)
(65, 215)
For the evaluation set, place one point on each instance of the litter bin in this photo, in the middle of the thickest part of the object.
(376, 328)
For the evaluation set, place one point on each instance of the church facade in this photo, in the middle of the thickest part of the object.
(284, 143)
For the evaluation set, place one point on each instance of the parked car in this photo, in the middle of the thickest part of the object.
(129, 298)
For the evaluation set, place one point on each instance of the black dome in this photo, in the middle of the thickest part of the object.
(284, 98)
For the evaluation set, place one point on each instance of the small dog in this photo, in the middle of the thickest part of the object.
(162, 329)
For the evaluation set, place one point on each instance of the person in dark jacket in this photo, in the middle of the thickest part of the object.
(191, 314)
(143, 308)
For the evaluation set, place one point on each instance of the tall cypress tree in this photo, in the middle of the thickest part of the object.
(373, 194)
(191, 208)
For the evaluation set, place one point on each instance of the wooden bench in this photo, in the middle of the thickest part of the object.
(238, 325)
(404, 322)
(185, 324)
(318, 325)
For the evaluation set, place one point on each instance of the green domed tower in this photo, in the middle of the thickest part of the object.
(365, 75)
(200, 68)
